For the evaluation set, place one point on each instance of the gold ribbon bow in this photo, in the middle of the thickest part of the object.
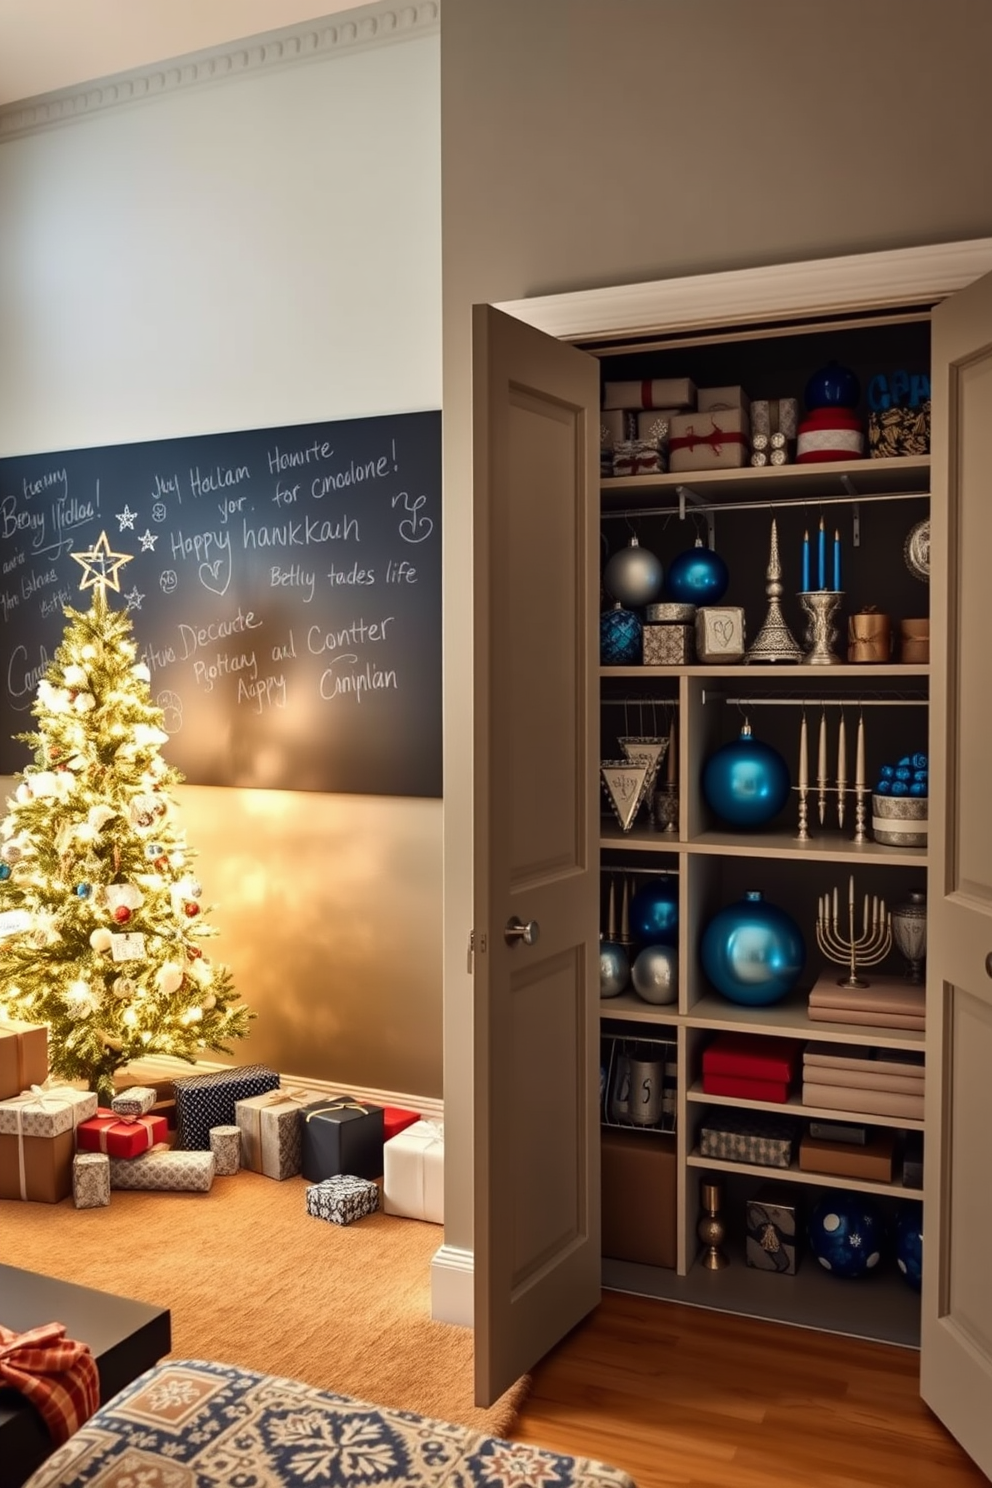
(340, 1106)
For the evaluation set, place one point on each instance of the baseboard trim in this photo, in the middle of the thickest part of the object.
(453, 1286)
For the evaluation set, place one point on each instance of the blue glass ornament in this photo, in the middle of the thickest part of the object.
(919, 788)
(919, 762)
(698, 576)
(883, 788)
(634, 576)
(833, 386)
(655, 974)
(909, 1242)
(888, 772)
(921, 776)
(654, 912)
(898, 788)
(746, 783)
(614, 968)
(845, 1233)
(619, 637)
(753, 952)
(4, 871)
(903, 772)
(83, 891)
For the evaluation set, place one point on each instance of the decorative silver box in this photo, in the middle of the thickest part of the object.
(90, 1180)
(667, 645)
(899, 821)
(670, 614)
(133, 1102)
(720, 633)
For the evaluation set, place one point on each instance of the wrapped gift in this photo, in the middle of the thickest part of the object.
(639, 457)
(615, 425)
(716, 399)
(654, 426)
(23, 1056)
(157, 1074)
(719, 633)
(869, 637)
(340, 1135)
(395, 1119)
(271, 1135)
(639, 1198)
(914, 641)
(772, 1229)
(670, 613)
(207, 1100)
(668, 645)
(343, 1198)
(110, 1133)
(173, 1171)
(413, 1173)
(872, 1160)
(775, 416)
(37, 1142)
(829, 434)
(133, 1102)
(899, 431)
(90, 1180)
(656, 392)
(757, 1137)
(225, 1144)
(709, 441)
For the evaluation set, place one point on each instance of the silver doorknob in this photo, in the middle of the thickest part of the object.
(516, 930)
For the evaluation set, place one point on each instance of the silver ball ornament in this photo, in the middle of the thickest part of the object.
(655, 974)
(634, 576)
(614, 968)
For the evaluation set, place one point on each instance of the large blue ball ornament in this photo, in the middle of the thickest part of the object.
(654, 913)
(698, 576)
(619, 637)
(746, 783)
(909, 1242)
(833, 386)
(753, 952)
(845, 1233)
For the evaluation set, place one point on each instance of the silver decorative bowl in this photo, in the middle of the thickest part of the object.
(899, 821)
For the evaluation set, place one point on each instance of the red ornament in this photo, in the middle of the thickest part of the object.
(161, 863)
(192, 909)
(122, 914)
(193, 952)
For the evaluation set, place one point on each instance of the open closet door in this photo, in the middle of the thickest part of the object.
(536, 834)
(956, 1359)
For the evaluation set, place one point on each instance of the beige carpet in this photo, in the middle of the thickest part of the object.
(252, 1279)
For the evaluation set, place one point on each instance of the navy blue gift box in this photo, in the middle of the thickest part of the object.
(203, 1101)
(341, 1135)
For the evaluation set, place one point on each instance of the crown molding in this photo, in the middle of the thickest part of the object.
(902, 276)
(338, 35)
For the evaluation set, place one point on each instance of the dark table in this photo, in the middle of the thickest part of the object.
(125, 1338)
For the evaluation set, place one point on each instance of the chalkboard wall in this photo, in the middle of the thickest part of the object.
(284, 589)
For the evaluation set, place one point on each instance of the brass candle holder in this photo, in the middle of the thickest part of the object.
(711, 1229)
(849, 948)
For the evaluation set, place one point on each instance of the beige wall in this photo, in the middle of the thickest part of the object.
(596, 142)
(257, 251)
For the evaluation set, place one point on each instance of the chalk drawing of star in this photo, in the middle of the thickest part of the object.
(148, 540)
(134, 599)
(101, 567)
(126, 517)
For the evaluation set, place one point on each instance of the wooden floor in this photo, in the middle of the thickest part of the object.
(682, 1395)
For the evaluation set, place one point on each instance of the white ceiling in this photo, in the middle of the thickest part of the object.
(46, 45)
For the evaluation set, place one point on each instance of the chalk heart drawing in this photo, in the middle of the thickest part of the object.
(724, 631)
(210, 576)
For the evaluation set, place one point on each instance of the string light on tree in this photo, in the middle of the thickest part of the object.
(101, 920)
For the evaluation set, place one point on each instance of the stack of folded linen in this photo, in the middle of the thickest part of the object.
(852, 1077)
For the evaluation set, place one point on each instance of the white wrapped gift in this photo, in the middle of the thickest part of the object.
(90, 1180)
(413, 1177)
(169, 1170)
(46, 1111)
(133, 1102)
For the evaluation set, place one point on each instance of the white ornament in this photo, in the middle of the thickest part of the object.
(101, 940)
(169, 978)
(84, 702)
(22, 794)
(141, 671)
(75, 676)
(79, 1000)
(43, 784)
(99, 816)
(54, 699)
(146, 736)
(209, 1001)
(124, 988)
(123, 896)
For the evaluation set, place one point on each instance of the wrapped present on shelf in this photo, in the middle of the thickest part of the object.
(639, 457)
(716, 399)
(873, 1160)
(341, 1135)
(757, 1137)
(615, 426)
(668, 645)
(271, 1131)
(166, 1170)
(829, 434)
(639, 1198)
(709, 441)
(869, 636)
(751, 1066)
(772, 1229)
(38, 1140)
(656, 392)
(107, 1132)
(90, 1180)
(413, 1173)
(343, 1198)
(134, 1101)
(719, 633)
(771, 416)
(207, 1100)
(899, 431)
(23, 1056)
(654, 426)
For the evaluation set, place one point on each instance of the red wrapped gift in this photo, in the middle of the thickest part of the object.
(743, 1087)
(106, 1132)
(395, 1120)
(753, 1056)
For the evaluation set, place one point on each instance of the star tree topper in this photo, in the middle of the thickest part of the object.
(101, 567)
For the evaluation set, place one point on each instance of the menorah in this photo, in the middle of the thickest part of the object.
(853, 950)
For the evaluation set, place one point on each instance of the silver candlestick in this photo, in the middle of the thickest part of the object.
(821, 606)
(851, 949)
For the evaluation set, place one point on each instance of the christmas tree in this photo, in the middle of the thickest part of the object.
(100, 914)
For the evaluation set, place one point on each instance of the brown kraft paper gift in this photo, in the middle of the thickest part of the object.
(23, 1056)
(869, 637)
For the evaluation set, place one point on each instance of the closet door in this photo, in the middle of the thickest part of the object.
(956, 1361)
(536, 834)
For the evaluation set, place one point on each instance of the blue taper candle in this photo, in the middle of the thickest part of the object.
(837, 561)
(805, 589)
(821, 556)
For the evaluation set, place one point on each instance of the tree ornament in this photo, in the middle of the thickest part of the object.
(79, 1001)
(619, 637)
(169, 978)
(101, 940)
(83, 890)
(122, 914)
(753, 952)
(634, 576)
(909, 1241)
(845, 1233)
(833, 386)
(655, 974)
(654, 912)
(123, 988)
(698, 576)
(194, 952)
(614, 968)
(4, 872)
(191, 909)
(746, 783)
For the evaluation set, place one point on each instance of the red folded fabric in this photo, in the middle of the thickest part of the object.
(57, 1375)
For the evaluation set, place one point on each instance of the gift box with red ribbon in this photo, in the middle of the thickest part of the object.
(341, 1135)
(717, 440)
(830, 434)
(110, 1133)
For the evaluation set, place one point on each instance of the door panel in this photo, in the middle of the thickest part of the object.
(536, 828)
(956, 1356)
